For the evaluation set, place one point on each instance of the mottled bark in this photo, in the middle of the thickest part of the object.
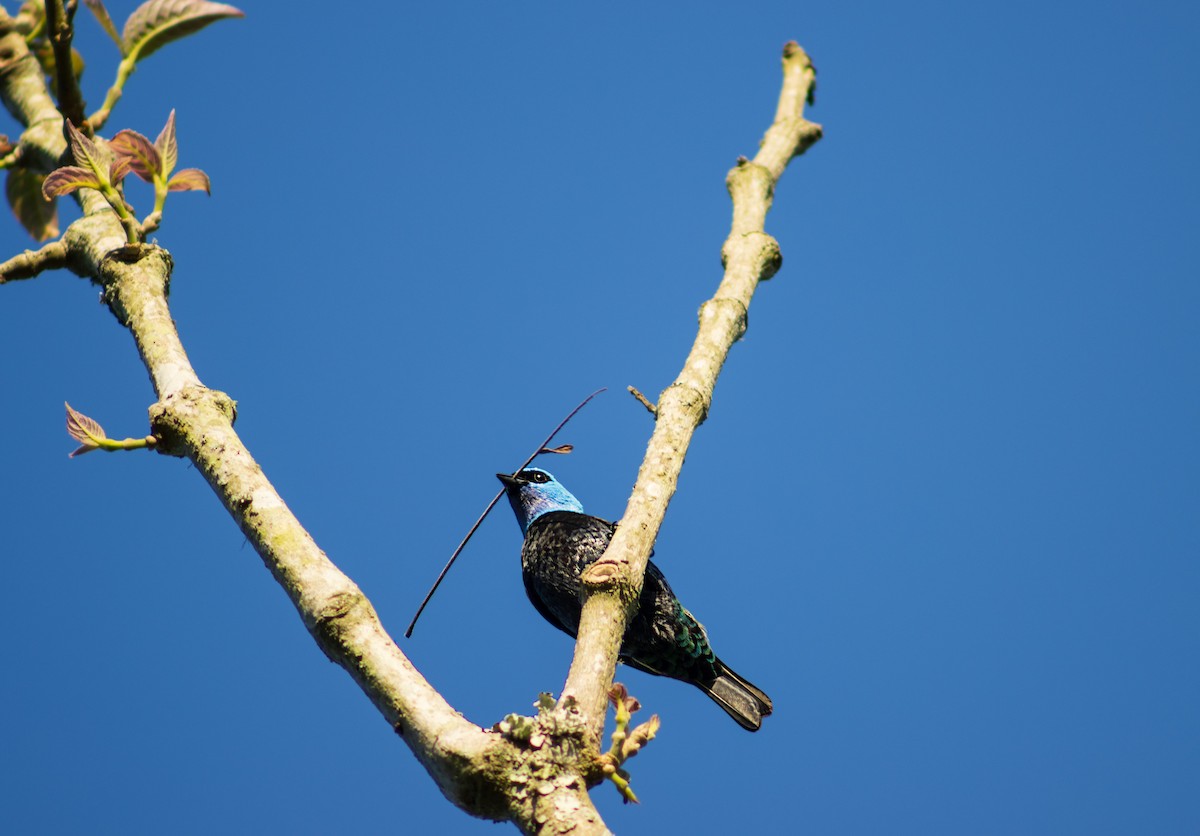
(532, 771)
(750, 256)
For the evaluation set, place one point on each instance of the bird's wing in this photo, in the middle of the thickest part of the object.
(561, 545)
(536, 600)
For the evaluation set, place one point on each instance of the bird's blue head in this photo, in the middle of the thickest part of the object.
(534, 492)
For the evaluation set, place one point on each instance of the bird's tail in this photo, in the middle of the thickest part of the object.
(742, 701)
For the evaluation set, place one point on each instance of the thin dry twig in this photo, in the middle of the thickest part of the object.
(643, 400)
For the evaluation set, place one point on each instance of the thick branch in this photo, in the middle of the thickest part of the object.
(191, 420)
(196, 422)
(612, 584)
(24, 94)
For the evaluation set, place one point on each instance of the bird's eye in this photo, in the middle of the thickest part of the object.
(537, 476)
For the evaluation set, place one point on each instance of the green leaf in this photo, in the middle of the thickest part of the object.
(37, 215)
(68, 179)
(106, 21)
(144, 160)
(156, 23)
(189, 180)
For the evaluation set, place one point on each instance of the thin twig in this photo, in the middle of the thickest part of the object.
(124, 71)
(32, 262)
(539, 450)
(151, 223)
(643, 400)
(59, 24)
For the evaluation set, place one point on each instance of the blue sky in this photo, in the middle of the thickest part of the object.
(944, 509)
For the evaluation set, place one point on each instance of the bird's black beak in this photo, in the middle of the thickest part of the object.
(509, 481)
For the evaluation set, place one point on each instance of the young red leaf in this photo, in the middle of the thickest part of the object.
(106, 21)
(167, 147)
(84, 430)
(120, 167)
(188, 180)
(67, 179)
(156, 23)
(143, 157)
(38, 216)
(87, 153)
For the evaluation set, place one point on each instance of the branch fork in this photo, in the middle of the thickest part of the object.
(531, 771)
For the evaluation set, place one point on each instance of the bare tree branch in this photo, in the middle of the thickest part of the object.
(193, 421)
(534, 771)
(24, 94)
(60, 19)
(32, 262)
(614, 582)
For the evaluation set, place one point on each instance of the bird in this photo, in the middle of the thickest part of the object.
(662, 638)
